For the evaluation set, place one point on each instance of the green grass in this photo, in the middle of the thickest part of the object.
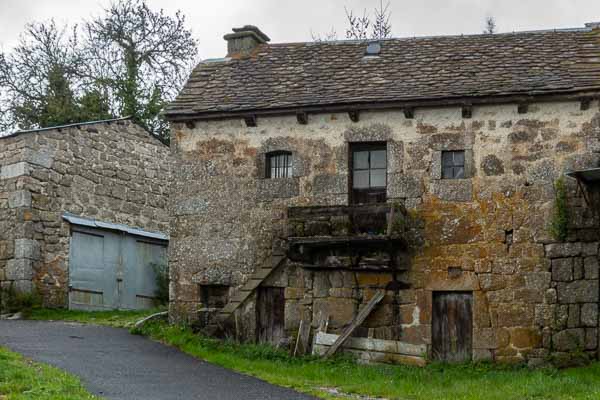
(22, 379)
(117, 319)
(312, 375)
(436, 381)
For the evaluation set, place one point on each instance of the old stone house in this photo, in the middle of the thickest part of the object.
(83, 214)
(311, 177)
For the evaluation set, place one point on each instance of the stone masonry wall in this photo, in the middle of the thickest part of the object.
(114, 172)
(487, 234)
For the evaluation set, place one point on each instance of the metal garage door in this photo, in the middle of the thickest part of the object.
(112, 270)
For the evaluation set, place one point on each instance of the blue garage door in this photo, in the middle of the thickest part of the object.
(113, 270)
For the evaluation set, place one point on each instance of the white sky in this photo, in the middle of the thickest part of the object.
(285, 20)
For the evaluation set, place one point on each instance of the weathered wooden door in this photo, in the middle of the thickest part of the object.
(452, 326)
(270, 315)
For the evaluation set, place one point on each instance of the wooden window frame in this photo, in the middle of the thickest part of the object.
(286, 168)
(454, 167)
(377, 193)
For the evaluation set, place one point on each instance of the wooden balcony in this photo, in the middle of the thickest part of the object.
(369, 237)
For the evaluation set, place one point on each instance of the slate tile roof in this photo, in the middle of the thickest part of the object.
(288, 75)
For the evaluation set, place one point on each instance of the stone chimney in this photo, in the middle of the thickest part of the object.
(244, 40)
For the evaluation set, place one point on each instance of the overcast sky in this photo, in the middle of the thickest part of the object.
(294, 20)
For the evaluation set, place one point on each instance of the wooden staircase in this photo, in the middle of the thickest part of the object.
(242, 294)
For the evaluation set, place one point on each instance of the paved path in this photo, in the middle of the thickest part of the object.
(116, 365)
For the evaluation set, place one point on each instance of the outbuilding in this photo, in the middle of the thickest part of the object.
(83, 219)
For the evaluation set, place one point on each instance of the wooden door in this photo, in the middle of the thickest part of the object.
(452, 326)
(270, 312)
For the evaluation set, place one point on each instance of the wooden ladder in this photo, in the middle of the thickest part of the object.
(242, 294)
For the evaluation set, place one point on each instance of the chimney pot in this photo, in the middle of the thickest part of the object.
(244, 40)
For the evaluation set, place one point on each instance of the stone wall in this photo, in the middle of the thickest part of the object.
(114, 172)
(487, 234)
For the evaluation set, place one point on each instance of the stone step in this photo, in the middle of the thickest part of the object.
(262, 273)
(276, 260)
(249, 287)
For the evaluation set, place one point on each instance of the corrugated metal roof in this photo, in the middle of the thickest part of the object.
(92, 223)
(66, 126)
(586, 176)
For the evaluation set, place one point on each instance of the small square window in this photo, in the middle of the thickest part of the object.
(214, 296)
(453, 164)
(279, 165)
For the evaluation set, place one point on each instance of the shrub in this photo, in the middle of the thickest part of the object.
(560, 218)
(161, 273)
(13, 301)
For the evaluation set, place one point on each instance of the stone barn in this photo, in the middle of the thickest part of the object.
(83, 214)
(405, 199)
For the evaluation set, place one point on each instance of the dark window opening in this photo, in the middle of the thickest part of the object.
(214, 296)
(279, 164)
(368, 173)
(453, 164)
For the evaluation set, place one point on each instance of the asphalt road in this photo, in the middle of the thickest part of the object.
(116, 365)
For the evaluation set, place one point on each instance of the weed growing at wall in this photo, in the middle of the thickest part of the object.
(560, 217)
(161, 273)
(12, 301)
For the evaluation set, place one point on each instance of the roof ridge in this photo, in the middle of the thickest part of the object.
(462, 35)
(75, 124)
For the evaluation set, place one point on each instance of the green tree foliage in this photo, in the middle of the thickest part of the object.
(130, 61)
(37, 78)
(143, 57)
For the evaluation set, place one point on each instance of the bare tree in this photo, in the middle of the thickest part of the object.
(363, 27)
(327, 37)
(358, 27)
(490, 25)
(382, 28)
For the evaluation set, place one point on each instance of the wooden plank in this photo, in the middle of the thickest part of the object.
(452, 326)
(301, 347)
(380, 345)
(360, 318)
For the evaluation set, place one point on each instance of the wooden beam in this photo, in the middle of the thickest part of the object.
(570, 95)
(250, 120)
(354, 115)
(409, 113)
(585, 104)
(523, 108)
(360, 318)
(302, 118)
(467, 111)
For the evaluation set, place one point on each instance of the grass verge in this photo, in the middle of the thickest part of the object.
(22, 379)
(117, 319)
(434, 382)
